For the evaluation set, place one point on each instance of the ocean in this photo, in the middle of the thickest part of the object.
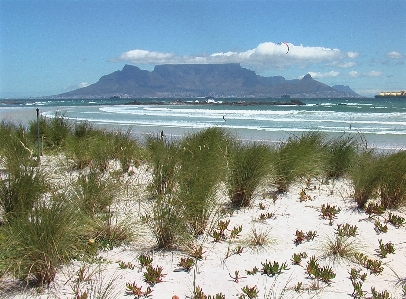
(381, 123)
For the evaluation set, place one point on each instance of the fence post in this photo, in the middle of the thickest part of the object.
(38, 136)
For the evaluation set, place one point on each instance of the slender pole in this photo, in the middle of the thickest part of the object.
(38, 136)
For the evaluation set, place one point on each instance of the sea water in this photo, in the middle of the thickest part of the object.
(380, 123)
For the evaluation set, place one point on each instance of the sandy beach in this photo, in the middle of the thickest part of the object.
(225, 265)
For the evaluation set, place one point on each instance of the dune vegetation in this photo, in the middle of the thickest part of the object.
(62, 207)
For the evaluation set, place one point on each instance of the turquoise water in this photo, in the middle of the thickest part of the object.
(381, 122)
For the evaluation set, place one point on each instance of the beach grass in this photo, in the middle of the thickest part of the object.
(53, 131)
(95, 192)
(340, 154)
(16, 147)
(364, 177)
(34, 247)
(392, 180)
(249, 165)
(43, 228)
(299, 157)
(202, 166)
(163, 159)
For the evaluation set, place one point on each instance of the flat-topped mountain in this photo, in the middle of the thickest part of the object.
(200, 80)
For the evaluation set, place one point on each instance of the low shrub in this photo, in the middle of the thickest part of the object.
(202, 165)
(299, 156)
(395, 220)
(21, 190)
(166, 222)
(16, 148)
(248, 165)
(340, 248)
(126, 150)
(374, 266)
(163, 158)
(34, 247)
(364, 176)
(272, 269)
(153, 275)
(340, 153)
(392, 180)
(54, 131)
(95, 192)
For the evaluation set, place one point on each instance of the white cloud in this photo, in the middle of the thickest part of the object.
(354, 74)
(347, 64)
(147, 57)
(373, 74)
(394, 55)
(83, 84)
(352, 54)
(267, 54)
(324, 75)
(343, 65)
(76, 86)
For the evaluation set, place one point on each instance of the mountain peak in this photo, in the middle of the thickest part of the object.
(200, 80)
(307, 77)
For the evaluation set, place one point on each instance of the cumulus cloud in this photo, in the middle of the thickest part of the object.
(83, 84)
(147, 57)
(394, 55)
(273, 55)
(354, 74)
(352, 54)
(324, 75)
(373, 74)
(76, 86)
(343, 65)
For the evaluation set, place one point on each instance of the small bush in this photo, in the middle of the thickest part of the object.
(163, 157)
(374, 266)
(186, 263)
(329, 212)
(396, 221)
(301, 236)
(340, 153)
(95, 192)
(384, 249)
(346, 230)
(248, 166)
(380, 228)
(364, 176)
(340, 248)
(166, 222)
(153, 275)
(297, 258)
(201, 168)
(325, 274)
(35, 246)
(374, 209)
(54, 131)
(21, 190)
(250, 292)
(272, 269)
(392, 180)
(299, 157)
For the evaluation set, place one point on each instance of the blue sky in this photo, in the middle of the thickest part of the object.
(52, 46)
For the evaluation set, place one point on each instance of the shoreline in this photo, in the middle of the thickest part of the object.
(25, 115)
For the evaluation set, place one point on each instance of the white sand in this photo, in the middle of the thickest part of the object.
(214, 273)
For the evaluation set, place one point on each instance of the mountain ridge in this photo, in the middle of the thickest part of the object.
(200, 80)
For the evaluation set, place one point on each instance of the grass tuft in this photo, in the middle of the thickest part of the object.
(248, 166)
